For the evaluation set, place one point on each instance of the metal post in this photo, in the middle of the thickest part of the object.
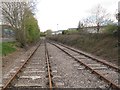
(57, 27)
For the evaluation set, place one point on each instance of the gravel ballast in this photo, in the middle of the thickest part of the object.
(68, 73)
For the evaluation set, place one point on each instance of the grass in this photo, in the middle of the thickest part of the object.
(7, 48)
(102, 45)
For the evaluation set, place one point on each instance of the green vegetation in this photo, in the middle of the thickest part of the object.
(111, 28)
(30, 32)
(7, 48)
(103, 45)
(42, 34)
(48, 32)
(108, 29)
(68, 32)
(20, 16)
(31, 28)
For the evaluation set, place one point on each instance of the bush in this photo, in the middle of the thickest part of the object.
(68, 32)
(101, 44)
(7, 47)
(111, 28)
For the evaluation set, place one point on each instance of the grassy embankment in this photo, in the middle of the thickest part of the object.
(102, 45)
(7, 48)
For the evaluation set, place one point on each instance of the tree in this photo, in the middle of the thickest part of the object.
(31, 28)
(80, 25)
(65, 32)
(48, 32)
(15, 13)
(99, 16)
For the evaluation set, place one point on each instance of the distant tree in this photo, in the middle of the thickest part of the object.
(87, 22)
(99, 16)
(42, 34)
(70, 32)
(65, 32)
(48, 32)
(80, 25)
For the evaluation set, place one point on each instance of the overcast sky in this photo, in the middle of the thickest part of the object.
(64, 14)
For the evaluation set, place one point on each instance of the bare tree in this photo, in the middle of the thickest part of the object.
(99, 16)
(15, 13)
(88, 21)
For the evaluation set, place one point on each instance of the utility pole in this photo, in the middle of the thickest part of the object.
(57, 27)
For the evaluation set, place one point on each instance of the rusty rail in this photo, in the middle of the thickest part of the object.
(22, 66)
(92, 57)
(112, 84)
(48, 67)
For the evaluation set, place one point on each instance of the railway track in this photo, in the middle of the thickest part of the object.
(48, 67)
(105, 71)
(35, 72)
(39, 69)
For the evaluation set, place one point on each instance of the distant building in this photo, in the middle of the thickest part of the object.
(57, 32)
(6, 31)
(93, 29)
(72, 28)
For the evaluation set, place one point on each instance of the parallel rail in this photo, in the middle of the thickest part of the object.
(112, 84)
(19, 69)
(8, 83)
(48, 67)
(92, 57)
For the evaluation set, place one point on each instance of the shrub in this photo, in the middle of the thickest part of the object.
(111, 28)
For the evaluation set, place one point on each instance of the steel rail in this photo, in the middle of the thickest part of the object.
(22, 66)
(48, 67)
(92, 57)
(114, 85)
